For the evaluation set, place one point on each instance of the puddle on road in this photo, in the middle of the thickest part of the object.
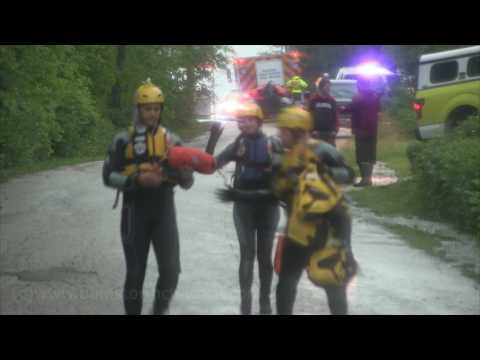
(47, 275)
(383, 176)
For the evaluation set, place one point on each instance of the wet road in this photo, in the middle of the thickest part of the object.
(60, 253)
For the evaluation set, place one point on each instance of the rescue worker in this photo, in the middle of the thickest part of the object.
(270, 98)
(255, 212)
(136, 165)
(323, 108)
(365, 109)
(306, 180)
(297, 86)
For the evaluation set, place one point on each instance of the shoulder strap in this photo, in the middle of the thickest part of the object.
(131, 132)
(236, 143)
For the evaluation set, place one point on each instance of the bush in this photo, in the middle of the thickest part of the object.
(448, 171)
(399, 108)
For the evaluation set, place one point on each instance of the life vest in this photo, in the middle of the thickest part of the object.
(144, 150)
(254, 162)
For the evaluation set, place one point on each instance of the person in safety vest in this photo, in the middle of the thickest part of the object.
(137, 165)
(297, 86)
(255, 212)
(323, 108)
(318, 234)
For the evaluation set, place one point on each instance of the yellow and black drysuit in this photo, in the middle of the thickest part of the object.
(148, 214)
(306, 181)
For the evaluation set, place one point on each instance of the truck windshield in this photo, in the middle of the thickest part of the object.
(343, 91)
(351, 77)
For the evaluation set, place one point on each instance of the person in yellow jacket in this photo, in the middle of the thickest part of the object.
(297, 86)
(136, 165)
(306, 180)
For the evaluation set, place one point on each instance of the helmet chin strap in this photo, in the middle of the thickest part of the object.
(154, 127)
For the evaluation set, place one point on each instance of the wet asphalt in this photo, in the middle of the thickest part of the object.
(60, 253)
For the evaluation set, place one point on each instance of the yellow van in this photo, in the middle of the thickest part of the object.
(448, 90)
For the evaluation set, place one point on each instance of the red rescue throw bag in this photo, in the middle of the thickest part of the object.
(182, 157)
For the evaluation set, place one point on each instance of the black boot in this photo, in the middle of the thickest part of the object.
(265, 305)
(366, 170)
(246, 303)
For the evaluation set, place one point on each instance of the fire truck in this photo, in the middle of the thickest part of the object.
(255, 72)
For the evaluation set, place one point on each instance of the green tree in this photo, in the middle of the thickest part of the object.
(66, 100)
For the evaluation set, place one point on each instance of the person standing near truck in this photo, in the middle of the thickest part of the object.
(365, 109)
(323, 108)
(297, 87)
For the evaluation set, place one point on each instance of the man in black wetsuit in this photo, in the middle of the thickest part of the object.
(136, 165)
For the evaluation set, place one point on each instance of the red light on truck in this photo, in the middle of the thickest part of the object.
(418, 106)
(296, 54)
(239, 61)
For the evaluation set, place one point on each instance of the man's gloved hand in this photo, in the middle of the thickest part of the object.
(150, 179)
(185, 178)
(216, 129)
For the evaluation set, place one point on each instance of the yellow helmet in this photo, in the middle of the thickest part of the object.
(330, 267)
(294, 117)
(149, 94)
(249, 109)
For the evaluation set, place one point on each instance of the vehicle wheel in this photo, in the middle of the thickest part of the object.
(459, 115)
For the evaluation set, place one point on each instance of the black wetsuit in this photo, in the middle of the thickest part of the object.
(148, 217)
(255, 221)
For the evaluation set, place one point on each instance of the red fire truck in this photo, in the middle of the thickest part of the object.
(254, 72)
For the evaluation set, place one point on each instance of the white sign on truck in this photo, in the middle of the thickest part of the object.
(270, 71)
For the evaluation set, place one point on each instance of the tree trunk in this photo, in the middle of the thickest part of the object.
(116, 95)
(190, 92)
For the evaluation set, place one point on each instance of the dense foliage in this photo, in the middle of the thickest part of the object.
(67, 100)
(448, 171)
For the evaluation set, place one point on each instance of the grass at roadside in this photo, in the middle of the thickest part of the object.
(44, 166)
(393, 142)
(430, 244)
(399, 199)
(186, 133)
(403, 198)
